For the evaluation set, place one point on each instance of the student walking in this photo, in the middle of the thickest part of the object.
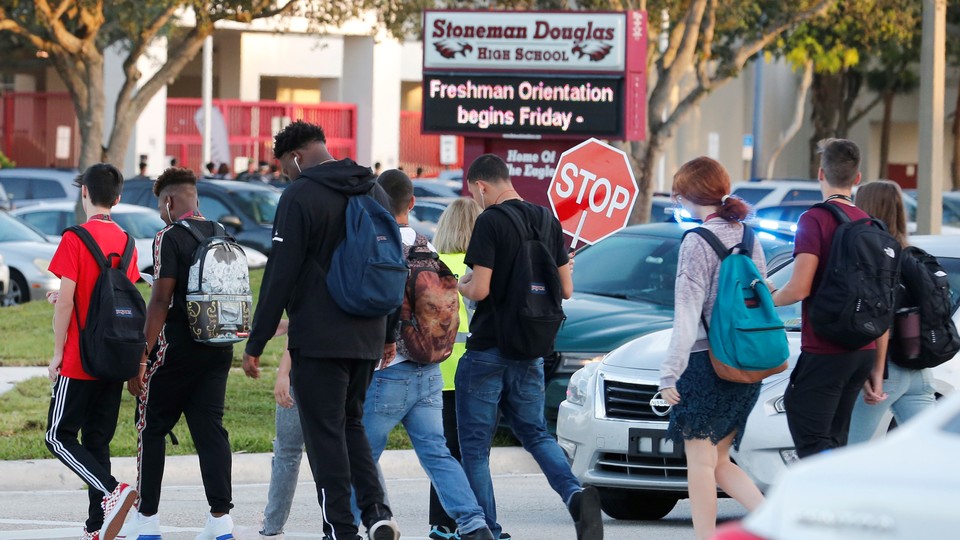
(828, 376)
(908, 391)
(502, 368)
(182, 377)
(709, 414)
(333, 352)
(80, 403)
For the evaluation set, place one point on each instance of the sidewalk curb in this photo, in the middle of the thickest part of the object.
(50, 474)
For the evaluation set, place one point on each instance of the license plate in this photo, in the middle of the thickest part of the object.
(653, 443)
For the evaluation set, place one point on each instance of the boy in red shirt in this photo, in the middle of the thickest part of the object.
(79, 401)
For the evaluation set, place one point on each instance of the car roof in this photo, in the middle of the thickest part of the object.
(67, 205)
(942, 245)
(233, 185)
(27, 172)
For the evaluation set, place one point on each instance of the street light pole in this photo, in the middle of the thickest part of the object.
(663, 43)
(932, 87)
(207, 99)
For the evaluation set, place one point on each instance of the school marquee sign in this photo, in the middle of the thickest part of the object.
(542, 74)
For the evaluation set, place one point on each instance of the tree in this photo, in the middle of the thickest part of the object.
(953, 53)
(76, 33)
(893, 77)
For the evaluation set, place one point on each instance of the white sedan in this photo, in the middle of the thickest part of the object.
(613, 423)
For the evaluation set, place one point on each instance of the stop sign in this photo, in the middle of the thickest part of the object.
(592, 191)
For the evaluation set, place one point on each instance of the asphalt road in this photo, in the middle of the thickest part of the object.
(528, 510)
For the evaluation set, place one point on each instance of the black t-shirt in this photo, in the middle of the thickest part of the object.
(173, 252)
(494, 244)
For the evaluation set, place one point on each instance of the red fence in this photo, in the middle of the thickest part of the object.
(251, 126)
(423, 151)
(28, 129)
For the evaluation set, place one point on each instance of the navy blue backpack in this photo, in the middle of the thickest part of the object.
(368, 272)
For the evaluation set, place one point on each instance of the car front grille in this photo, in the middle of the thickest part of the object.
(642, 466)
(628, 401)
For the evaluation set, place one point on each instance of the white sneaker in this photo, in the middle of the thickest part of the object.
(385, 529)
(217, 528)
(141, 527)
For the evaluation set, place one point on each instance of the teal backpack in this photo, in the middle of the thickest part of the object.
(747, 338)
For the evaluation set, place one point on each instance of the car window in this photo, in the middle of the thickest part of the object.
(49, 222)
(17, 189)
(752, 195)
(427, 213)
(813, 195)
(261, 205)
(14, 230)
(213, 208)
(629, 266)
(47, 189)
(140, 225)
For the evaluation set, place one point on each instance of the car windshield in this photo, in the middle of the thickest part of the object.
(261, 205)
(14, 230)
(752, 194)
(791, 315)
(630, 267)
(140, 225)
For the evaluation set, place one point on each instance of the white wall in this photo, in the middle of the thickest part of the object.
(286, 55)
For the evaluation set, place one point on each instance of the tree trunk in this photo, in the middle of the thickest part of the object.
(955, 169)
(888, 96)
(116, 151)
(806, 80)
(642, 157)
(826, 98)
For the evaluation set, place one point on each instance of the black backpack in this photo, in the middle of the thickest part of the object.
(926, 293)
(855, 302)
(111, 340)
(531, 314)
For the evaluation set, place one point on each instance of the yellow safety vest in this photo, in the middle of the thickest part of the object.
(448, 367)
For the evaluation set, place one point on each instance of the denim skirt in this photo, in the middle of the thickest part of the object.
(710, 407)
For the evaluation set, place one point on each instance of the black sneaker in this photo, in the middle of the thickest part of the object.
(505, 536)
(584, 507)
(442, 532)
(482, 533)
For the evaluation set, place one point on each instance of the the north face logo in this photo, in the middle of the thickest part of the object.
(890, 253)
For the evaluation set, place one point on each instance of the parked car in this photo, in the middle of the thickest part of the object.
(245, 209)
(4, 281)
(775, 192)
(142, 224)
(25, 186)
(901, 488)
(428, 209)
(612, 424)
(5, 203)
(430, 187)
(27, 253)
(623, 288)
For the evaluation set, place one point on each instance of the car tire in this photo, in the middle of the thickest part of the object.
(628, 504)
(19, 289)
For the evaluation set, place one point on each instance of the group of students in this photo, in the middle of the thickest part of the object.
(345, 380)
(709, 413)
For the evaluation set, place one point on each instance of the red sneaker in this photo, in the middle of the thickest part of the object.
(95, 535)
(115, 507)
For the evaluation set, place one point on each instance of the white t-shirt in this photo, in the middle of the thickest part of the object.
(408, 236)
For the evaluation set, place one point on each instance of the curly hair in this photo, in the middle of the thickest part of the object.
(295, 136)
(174, 176)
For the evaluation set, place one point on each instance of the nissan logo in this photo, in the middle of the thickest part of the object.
(659, 405)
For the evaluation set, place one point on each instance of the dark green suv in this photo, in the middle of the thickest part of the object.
(623, 289)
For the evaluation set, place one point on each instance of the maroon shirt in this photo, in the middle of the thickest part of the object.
(815, 236)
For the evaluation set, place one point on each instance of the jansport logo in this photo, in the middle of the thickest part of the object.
(126, 313)
(538, 288)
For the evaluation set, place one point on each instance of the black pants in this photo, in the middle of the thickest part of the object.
(820, 397)
(437, 514)
(330, 395)
(91, 408)
(190, 380)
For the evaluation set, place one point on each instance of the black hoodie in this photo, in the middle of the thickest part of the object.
(308, 227)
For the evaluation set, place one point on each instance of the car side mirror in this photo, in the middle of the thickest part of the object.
(232, 222)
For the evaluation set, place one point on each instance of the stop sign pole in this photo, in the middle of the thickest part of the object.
(593, 191)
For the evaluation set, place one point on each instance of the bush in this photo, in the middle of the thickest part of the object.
(5, 162)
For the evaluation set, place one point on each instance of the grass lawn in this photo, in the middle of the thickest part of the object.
(26, 339)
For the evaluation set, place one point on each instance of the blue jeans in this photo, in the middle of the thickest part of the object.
(909, 393)
(287, 454)
(487, 383)
(411, 393)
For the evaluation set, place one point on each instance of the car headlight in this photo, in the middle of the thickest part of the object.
(570, 362)
(43, 266)
(578, 389)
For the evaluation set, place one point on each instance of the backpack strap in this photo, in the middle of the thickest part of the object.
(523, 229)
(715, 243)
(421, 250)
(193, 232)
(839, 214)
(127, 256)
(747, 241)
(92, 245)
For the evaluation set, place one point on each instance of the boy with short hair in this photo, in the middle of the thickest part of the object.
(828, 377)
(81, 403)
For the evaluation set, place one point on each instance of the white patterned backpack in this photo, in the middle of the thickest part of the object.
(219, 300)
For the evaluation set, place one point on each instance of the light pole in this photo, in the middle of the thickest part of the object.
(207, 94)
(932, 85)
(663, 43)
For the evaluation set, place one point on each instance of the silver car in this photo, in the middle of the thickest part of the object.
(613, 423)
(28, 254)
(4, 281)
(26, 186)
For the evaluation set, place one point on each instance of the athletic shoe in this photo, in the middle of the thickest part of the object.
(482, 533)
(217, 528)
(384, 529)
(95, 535)
(115, 507)
(141, 527)
(584, 507)
(442, 532)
